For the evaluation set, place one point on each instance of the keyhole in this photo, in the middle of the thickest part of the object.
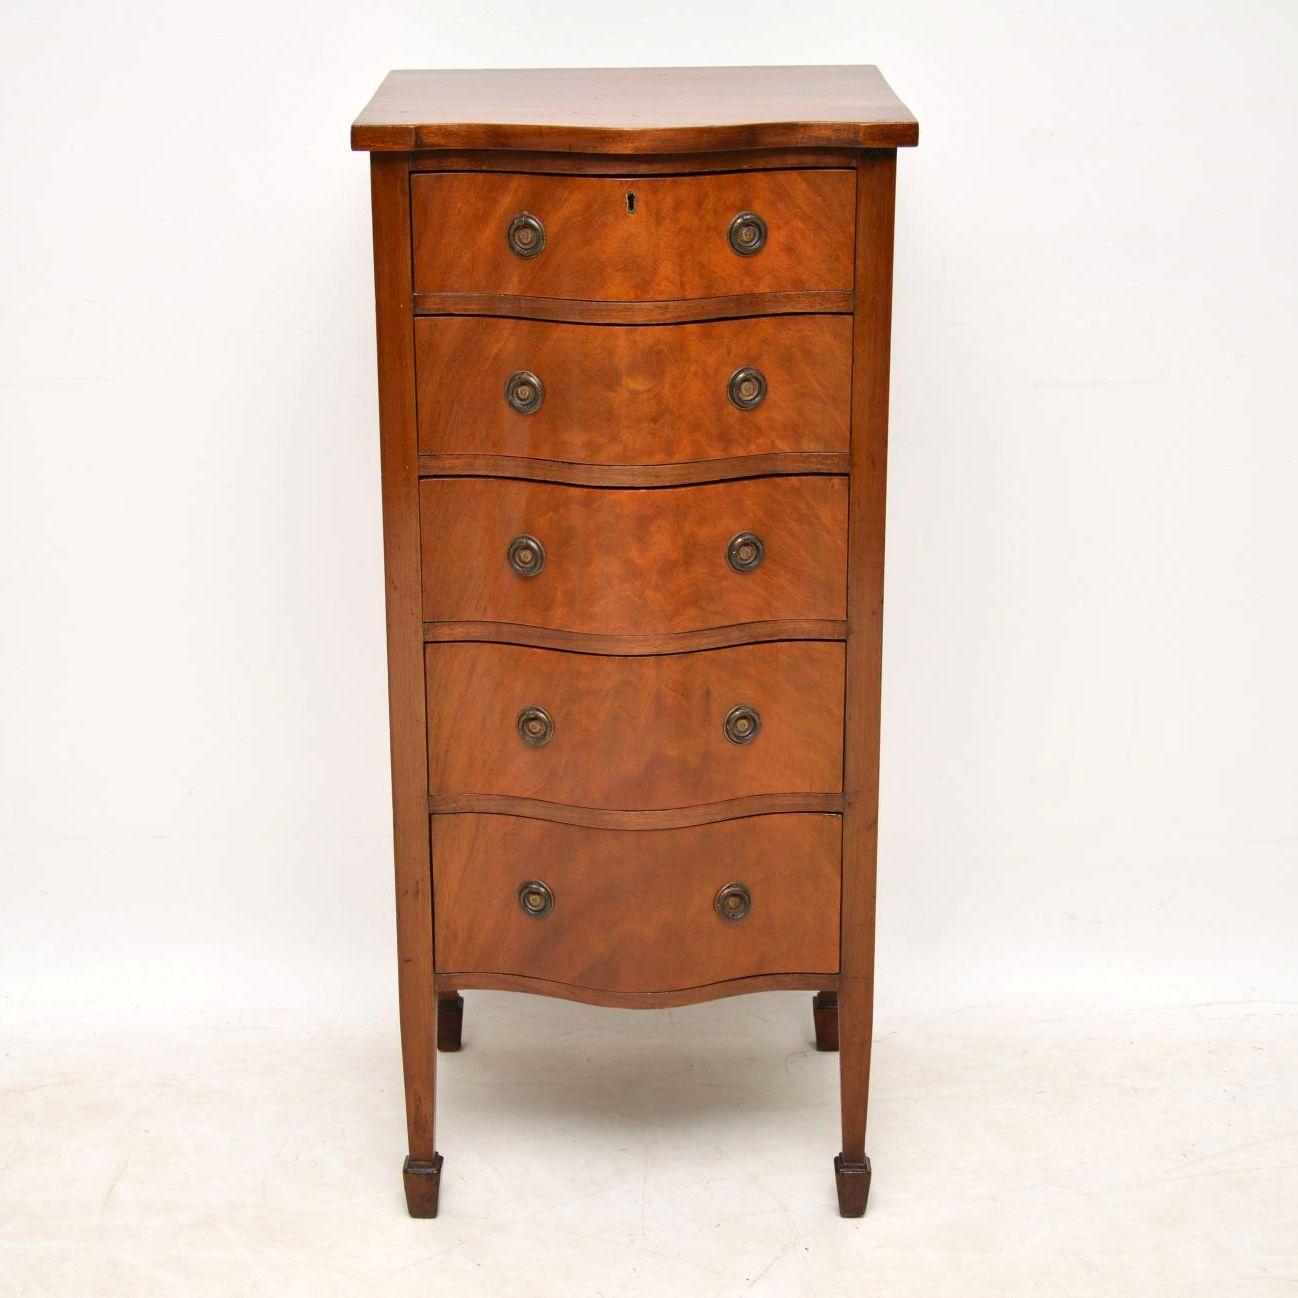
(630, 202)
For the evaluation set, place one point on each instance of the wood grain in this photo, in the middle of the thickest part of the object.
(632, 475)
(634, 394)
(398, 451)
(633, 110)
(673, 245)
(871, 334)
(633, 910)
(634, 733)
(668, 818)
(670, 311)
(791, 982)
(629, 562)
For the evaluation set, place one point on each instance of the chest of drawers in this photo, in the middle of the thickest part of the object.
(633, 333)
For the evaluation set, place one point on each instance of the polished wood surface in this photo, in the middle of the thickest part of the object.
(634, 733)
(629, 110)
(622, 562)
(792, 982)
(659, 237)
(631, 394)
(671, 311)
(633, 910)
(390, 202)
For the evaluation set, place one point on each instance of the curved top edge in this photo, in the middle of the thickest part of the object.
(527, 137)
(635, 110)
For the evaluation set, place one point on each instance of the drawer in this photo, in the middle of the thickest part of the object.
(633, 394)
(632, 733)
(619, 239)
(617, 561)
(636, 910)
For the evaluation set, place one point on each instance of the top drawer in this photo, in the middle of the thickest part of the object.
(633, 239)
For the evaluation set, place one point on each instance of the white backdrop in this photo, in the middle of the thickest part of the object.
(1090, 768)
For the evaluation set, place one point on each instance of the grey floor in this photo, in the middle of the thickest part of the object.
(598, 1152)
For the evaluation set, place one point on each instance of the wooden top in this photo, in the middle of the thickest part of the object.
(635, 110)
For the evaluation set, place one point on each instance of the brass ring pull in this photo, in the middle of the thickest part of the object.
(745, 551)
(747, 234)
(743, 724)
(535, 727)
(535, 898)
(524, 392)
(526, 555)
(526, 235)
(747, 388)
(733, 902)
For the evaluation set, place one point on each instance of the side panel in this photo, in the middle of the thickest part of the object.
(876, 187)
(389, 183)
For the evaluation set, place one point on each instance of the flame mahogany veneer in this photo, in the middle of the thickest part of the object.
(634, 908)
(626, 562)
(634, 394)
(634, 733)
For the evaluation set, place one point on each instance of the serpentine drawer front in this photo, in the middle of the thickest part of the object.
(634, 732)
(635, 394)
(619, 561)
(635, 910)
(633, 333)
(661, 237)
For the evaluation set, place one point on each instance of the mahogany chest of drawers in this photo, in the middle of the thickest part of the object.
(633, 333)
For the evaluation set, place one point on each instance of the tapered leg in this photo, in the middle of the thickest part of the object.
(421, 1025)
(450, 1021)
(824, 1012)
(851, 1167)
